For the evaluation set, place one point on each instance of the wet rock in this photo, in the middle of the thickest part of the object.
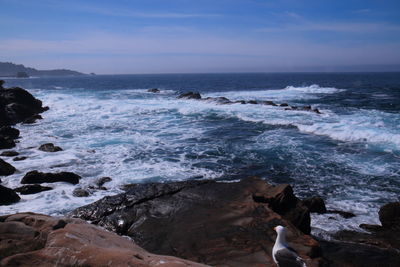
(10, 153)
(239, 102)
(190, 95)
(35, 177)
(9, 132)
(6, 143)
(284, 105)
(80, 192)
(6, 168)
(315, 204)
(215, 223)
(317, 111)
(1, 84)
(269, 103)
(38, 240)
(389, 215)
(344, 214)
(253, 102)
(32, 119)
(154, 90)
(219, 100)
(50, 147)
(19, 158)
(102, 181)
(7, 197)
(32, 189)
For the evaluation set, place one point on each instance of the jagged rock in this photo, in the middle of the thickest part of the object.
(32, 189)
(32, 119)
(19, 158)
(6, 143)
(190, 95)
(216, 223)
(6, 168)
(50, 147)
(29, 239)
(389, 215)
(315, 204)
(35, 177)
(7, 197)
(10, 153)
(9, 132)
(102, 181)
(154, 90)
(80, 192)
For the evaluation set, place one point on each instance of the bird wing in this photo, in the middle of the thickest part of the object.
(287, 257)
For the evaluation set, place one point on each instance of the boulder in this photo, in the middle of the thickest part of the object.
(32, 119)
(6, 143)
(10, 153)
(7, 197)
(50, 147)
(19, 158)
(80, 192)
(6, 168)
(32, 189)
(190, 95)
(9, 132)
(216, 223)
(344, 214)
(154, 90)
(29, 239)
(35, 177)
(389, 215)
(315, 204)
(102, 181)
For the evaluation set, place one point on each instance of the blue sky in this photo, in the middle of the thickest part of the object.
(160, 36)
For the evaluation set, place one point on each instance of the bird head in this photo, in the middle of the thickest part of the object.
(279, 229)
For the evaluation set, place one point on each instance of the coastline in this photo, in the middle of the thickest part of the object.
(265, 204)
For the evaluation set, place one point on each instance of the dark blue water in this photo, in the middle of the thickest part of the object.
(349, 154)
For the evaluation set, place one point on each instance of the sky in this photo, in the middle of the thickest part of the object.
(201, 36)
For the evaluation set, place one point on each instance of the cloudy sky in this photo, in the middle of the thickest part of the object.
(170, 36)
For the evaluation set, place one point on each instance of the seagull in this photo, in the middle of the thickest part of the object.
(283, 255)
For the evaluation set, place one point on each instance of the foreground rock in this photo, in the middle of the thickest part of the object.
(6, 168)
(31, 189)
(7, 197)
(221, 224)
(35, 177)
(29, 239)
(17, 105)
(50, 147)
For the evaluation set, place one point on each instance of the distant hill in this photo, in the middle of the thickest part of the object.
(8, 69)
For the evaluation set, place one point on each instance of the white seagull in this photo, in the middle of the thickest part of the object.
(283, 255)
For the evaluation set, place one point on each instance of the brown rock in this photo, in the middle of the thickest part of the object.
(389, 215)
(37, 240)
(315, 204)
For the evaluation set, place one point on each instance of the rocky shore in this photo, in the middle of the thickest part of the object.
(195, 223)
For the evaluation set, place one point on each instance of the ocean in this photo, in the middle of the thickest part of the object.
(109, 125)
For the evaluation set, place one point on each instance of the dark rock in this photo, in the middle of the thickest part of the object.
(317, 111)
(6, 143)
(9, 153)
(50, 147)
(19, 158)
(284, 105)
(344, 214)
(190, 95)
(102, 181)
(6, 168)
(315, 204)
(35, 177)
(7, 197)
(32, 119)
(269, 103)
(80, 192)
(219, 100)
(9, 132)
(219, 224)
(1, 84)
(32, 189)
(371, 227)
(253, 102)
(22, 74)
(154, 90)
(389, 215)
(29, 239)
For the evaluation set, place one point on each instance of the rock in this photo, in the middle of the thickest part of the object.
(6, 143)
(9, 132)
(344, 214)
(10, 153)
(253, 102)
(7, 197)
(32, 119)
(190, 95)
(284, 105)
(389, 215)
(218, 100)
(315, 204)
(240, 102)
(31, 189)
(102, 181)
(317, 111)
(220, 224)
(38, 240)
(154, 90)
(269, 103)
(6, 168)
(19, 158)
(50, 147)
(80, 192)
(1, 84)
(35, 177)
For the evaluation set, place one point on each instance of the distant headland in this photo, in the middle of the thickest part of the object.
(8, 69)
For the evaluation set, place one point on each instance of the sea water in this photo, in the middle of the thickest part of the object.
(109, 125)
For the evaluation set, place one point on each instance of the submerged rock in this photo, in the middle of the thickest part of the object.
(6, 168)
(35, 177)
(7, 197)
(154, 90)
(32, 189)
(190, 95)
(50, 147)
(29, 239)
(221, 224)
